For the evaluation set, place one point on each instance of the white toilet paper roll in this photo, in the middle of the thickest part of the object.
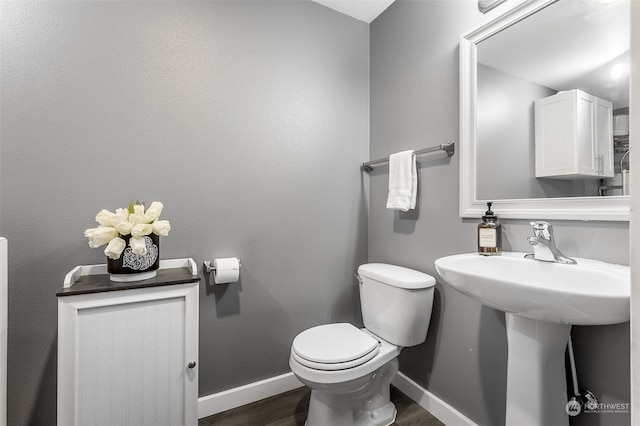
(227, 270)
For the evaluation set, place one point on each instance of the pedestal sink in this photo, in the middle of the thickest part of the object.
(541, 301)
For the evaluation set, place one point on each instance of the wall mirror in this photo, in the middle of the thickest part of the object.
(533, 50)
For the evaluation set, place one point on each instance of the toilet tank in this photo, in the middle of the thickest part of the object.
(396, 302)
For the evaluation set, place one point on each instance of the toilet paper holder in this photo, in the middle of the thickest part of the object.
(209, 268)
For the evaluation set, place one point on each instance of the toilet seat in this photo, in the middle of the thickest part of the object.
(333, 347)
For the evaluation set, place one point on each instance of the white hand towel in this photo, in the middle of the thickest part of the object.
(403, 181)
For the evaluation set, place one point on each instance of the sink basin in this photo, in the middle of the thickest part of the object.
(589, 293)
(541, 301)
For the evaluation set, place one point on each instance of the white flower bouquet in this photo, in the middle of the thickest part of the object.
(134, 221)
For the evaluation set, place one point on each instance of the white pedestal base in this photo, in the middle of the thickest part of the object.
(536, 380)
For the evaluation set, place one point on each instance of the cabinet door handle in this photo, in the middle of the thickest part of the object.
(191, 365)
(600, 164)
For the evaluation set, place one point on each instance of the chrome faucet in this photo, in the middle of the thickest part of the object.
(544, 246)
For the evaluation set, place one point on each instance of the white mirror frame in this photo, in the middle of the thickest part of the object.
(610, 208)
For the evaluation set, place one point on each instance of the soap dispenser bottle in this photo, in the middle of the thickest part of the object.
(489, 234)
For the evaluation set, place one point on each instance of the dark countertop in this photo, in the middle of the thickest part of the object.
(101, 283)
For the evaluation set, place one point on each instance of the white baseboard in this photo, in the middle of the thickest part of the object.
(434, 405)
(236, 397)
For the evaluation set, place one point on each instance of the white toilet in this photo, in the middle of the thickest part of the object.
(348, 369)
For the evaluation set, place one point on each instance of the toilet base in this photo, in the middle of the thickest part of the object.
(383, 416)
(334, 416)
(367, 404)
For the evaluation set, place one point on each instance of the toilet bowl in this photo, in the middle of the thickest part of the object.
(349, 369)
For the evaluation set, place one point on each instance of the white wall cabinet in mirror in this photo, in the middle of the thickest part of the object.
(574, 136)
(530, 52)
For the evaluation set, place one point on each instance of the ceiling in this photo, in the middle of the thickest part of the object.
(363, 10)
(568, 45)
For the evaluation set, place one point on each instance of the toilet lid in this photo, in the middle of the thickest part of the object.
(334, 347)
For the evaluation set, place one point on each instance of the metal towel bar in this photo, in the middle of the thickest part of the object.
(449, 148)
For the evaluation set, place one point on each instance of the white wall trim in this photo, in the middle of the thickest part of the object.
(4, 285)
(236, 397)
(434, 405)
(634, 228)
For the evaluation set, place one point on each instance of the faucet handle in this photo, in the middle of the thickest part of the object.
(542, 229)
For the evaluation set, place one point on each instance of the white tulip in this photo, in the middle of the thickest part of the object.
(115, 248)
(100, 236)
(138, 215)
(138, 245)
(135, 219)
(106, 218)
(123, 214)
(161, 227)
(141, 229)
(153, 212)
(124, 227)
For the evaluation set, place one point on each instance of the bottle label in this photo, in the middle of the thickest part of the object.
(487, 238)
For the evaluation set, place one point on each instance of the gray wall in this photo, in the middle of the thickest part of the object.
(248, 120)
(414, 104)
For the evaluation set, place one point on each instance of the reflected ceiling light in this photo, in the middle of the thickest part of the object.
(617, 70)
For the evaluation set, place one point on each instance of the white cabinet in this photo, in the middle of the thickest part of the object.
(574, 136)
(128, 352)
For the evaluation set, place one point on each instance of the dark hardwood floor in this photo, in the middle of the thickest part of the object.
(290, 409)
